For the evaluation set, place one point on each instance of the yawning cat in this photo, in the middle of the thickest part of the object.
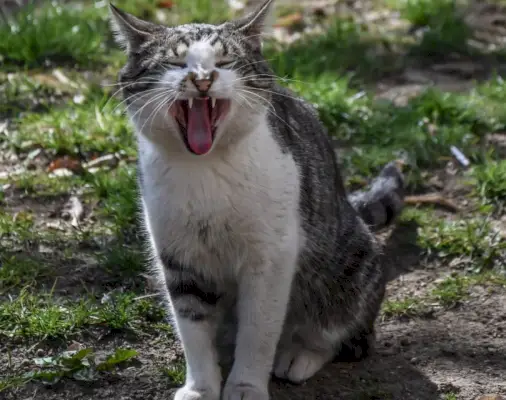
(246, 210)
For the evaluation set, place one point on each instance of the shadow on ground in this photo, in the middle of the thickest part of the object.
(401, 252)
(383, 376)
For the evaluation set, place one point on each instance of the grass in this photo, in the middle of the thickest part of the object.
(408, 307)
(83, 130)
(446, 293)
(451, 291)
(72, 121)
(79, 365)
(472, 239)
(444, 28)
(491, 182)
(18, 271)
(344, 45)
(176, 372)
(16, 227)
(41, 316)
(54, 34)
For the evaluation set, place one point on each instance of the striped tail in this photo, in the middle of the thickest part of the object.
(383, 201)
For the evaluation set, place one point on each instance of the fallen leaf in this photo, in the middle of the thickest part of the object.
(109, 160)
(61, 77)
(165, 4)
(65, 162)
(289, 20)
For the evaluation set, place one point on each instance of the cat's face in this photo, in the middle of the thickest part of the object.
(195, 87)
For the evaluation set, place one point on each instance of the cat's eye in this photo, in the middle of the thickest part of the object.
(225, 64)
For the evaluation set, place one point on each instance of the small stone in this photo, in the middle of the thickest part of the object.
(45, 249)
(75, 346)
(40, 352)
(61, 172)
(25, 362)
(414, 360)
(79, 99)
(33, 154)
(109, 160)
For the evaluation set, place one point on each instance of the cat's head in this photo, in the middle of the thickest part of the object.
(194, 87)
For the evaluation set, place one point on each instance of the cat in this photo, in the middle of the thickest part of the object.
(245, 209)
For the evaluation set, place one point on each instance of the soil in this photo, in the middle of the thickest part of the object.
(460, 351)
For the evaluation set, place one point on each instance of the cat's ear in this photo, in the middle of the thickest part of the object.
(253, 25)
(130, 32)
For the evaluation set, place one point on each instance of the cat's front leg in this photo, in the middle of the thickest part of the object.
(264, 291)
(203, 376)
(195, 304)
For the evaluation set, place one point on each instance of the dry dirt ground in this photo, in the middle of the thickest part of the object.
(456, 352)
(426, 349)
(459, 351)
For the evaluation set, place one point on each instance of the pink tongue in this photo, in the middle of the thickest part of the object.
(200, 136)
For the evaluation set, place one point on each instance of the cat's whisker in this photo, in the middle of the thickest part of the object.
(137, 96)
(246, 100)
(122, 88)
(144, 93)
(251, 63)
(158, 104)
(155, 111)
(146, 79)
(277, 93)
(271, 109)
(149, 102)
(124, 85)
(268, 77)
(274, 78)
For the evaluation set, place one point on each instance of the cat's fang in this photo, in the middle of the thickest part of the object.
(190, 102)
(213, 102)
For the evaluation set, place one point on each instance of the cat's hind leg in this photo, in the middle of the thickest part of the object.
(356, 346)
(303, 354)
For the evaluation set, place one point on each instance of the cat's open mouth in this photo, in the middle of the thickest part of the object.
(198, 119)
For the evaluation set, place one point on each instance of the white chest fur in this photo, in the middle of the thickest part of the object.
(212, 211)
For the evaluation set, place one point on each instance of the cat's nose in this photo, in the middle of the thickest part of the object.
(203, 85)
(203, 82)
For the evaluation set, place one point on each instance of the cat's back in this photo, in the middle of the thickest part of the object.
(299, 130)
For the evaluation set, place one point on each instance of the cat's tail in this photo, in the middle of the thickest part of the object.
(383, 200)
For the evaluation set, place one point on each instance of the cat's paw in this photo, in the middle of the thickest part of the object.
(298, 365)
(244, 391)
(186, 393)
